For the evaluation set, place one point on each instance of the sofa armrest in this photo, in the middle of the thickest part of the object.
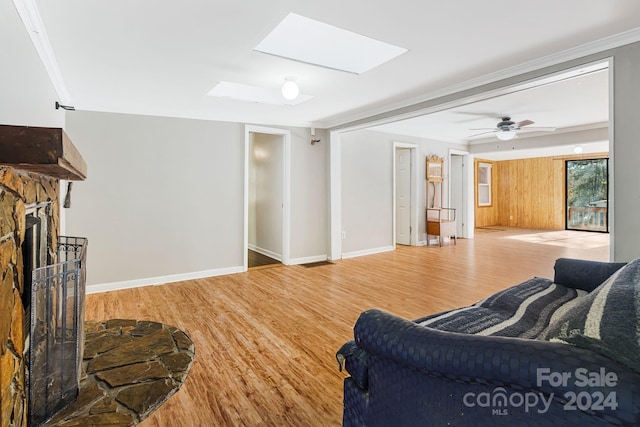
(500, 361)
(583, 274)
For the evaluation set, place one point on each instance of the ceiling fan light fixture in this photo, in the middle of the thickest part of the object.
(290, 89)
(506, 135)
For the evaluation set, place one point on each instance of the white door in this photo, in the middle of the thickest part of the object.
(457, 191)
(403, 196)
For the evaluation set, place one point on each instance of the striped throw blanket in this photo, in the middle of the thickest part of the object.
(607, 320)
(524, 311)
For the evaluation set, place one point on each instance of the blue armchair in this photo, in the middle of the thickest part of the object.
(527, 355)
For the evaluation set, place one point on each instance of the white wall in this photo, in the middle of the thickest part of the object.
(164, 198)
(367, 187)
(309, 196)
(266, 195)
(625, 151)
(27, 96)
(367, 201)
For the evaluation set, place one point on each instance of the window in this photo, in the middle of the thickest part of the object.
(484, 184)
(587, 195)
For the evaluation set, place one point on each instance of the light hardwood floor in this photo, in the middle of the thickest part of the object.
(266, 339)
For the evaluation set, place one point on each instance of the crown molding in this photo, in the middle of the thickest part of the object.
(28, 11)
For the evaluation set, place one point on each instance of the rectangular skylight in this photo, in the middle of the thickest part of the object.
(242, 92)
(313, 42)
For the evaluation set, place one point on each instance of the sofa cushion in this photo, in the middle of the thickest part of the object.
(607, 320)
(522, 311)
(583, 274)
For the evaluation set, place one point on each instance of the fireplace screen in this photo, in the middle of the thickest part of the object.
(57, 331)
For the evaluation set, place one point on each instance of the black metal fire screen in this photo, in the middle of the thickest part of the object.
(57, 331)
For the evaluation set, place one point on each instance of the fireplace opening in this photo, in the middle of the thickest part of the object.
(33, 254)
(53, 297)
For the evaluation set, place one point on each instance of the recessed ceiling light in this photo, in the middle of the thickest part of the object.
(313, 42)
(242, 92)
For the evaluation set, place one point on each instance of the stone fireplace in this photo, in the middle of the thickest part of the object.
(32, 162)
(18, 190)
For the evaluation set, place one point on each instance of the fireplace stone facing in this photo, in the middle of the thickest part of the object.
(33, 160)
(18, 190)
(131, 367)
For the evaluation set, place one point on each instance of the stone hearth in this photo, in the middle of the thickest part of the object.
(130, 368)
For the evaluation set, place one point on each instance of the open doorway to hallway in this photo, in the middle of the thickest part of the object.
(266, 196)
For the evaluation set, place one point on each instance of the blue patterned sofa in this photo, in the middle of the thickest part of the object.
(542, 353)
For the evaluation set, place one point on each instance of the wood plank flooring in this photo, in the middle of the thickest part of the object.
(258, 260)
(266, 339)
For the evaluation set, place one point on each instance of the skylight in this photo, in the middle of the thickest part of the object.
(242, 92)
(313, 42)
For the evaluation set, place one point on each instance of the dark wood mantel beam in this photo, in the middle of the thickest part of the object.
(47, 151)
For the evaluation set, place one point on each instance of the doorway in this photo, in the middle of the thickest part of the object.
(405, 194)
(459, 103)
(587, 195)
(267, 196)
(458, 189)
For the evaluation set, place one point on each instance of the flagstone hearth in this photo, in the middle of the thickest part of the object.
(130, 368)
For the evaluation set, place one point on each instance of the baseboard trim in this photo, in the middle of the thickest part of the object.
(161, 280)
(265, 252)
(372, 251)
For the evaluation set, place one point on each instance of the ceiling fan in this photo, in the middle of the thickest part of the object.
(506, 128)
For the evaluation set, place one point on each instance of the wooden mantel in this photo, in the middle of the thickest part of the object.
(47, 151)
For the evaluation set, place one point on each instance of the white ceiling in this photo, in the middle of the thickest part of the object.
(569, 102)
(161, 57)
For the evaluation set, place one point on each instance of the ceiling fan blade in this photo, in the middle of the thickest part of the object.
(538, 129)
(492, 129)
(523, 123)
(481, 133)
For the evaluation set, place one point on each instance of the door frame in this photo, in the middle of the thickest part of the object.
(415, 215)
(286, 191)
(466, 216)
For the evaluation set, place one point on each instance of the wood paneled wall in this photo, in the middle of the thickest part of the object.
(527, 192)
